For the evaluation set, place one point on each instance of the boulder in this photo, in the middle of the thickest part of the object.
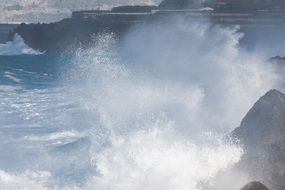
(255, 185)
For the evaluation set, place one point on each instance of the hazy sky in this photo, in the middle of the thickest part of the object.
(53, 10)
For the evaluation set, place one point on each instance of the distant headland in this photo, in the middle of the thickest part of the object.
(84, 24)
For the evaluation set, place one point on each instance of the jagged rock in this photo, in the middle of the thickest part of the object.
(255, 185)
(264, 124)
(262, 133)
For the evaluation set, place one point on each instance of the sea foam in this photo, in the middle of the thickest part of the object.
(154, 113)
(17, 47)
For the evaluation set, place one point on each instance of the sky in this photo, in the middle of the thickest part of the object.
(17, 11)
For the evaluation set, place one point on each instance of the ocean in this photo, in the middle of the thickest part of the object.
(154, 113)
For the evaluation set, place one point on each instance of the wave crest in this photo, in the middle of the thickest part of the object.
(17, 47)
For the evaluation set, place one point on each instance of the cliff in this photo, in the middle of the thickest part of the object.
(68, 33)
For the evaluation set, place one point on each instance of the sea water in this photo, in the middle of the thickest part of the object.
(154, 113)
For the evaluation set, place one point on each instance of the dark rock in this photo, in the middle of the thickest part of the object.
(262, 133)
(264, 124)
(68, 33)
(255, 185)
(79, 30)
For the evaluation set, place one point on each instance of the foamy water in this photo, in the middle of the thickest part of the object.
(17, 47)
(152, 114)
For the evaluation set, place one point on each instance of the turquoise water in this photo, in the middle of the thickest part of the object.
(42, 125)
(29, 70)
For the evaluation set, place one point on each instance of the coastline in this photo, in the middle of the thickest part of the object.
(82, 26)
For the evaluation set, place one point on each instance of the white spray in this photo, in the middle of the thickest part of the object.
(159, 108)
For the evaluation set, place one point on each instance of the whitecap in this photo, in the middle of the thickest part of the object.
(58, 138)
(8, 88)
(17, 47)
(10, 76)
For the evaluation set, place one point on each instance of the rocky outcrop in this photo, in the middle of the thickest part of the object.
(79, 30)
(264, 124)
(262, 133)
(255, 185)
(68, 33)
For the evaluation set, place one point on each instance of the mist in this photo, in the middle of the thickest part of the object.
(153, 111)
(165, 100)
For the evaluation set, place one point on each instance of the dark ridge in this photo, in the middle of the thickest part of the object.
(273, 96)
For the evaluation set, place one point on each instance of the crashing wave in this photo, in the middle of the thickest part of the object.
(157, 119)
(17, 47)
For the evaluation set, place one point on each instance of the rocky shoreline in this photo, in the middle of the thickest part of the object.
(81, 28)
